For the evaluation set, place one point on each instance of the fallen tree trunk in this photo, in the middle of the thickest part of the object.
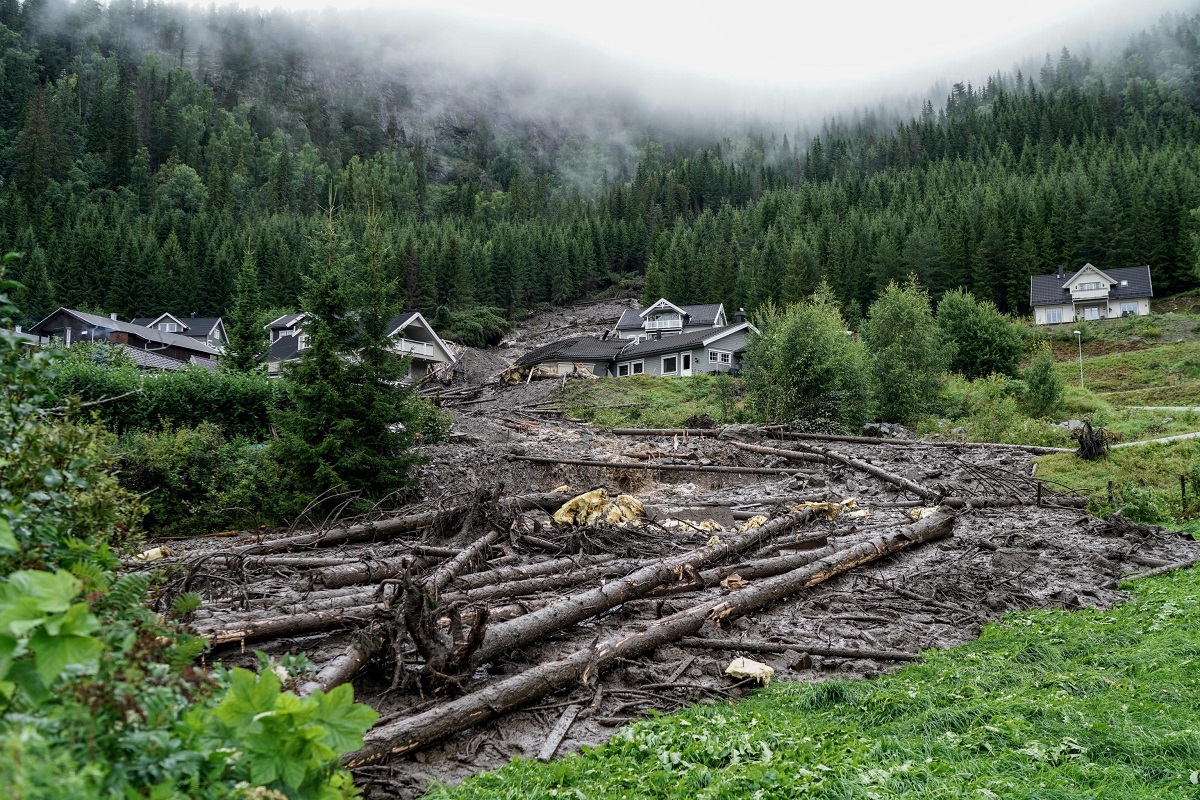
(1163, 570)
(452, 568)
(520, 572)
(799, 647)
(637, 465)
(420, 730)
(571, 610)
(343, 668)
(853, 463)
(545, 583)
(290, 625)
(365, 571)
(828, 437)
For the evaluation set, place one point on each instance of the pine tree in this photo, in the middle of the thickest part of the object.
(247, 342)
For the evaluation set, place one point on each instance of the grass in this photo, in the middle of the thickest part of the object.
(647, 401)
(1160, 366)
(1045, 705)
(1145, 480)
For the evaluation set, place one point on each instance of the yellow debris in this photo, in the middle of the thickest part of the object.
(862, 512)
(922, 513)
(754, 522)
(714, 540)
(153, 554)
(746, 668)
(564, 489)
(594, 506)
(831, 510)
(734, 581)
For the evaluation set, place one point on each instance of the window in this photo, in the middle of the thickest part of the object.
(169, 327)
(670, 365)
(637, 367)
(1091, 312)
(1087, 287)
(622, 370)
(719, 357)
(302, 342)
(1053, 315)
(1129, 308)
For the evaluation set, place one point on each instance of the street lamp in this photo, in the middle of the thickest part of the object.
(1079, 341)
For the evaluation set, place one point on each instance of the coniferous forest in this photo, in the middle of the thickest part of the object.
(145, 147)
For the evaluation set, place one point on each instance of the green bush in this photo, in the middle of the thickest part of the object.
(909, 352)
(805, 368)
(1044, 386)
(985, 341)
(127, 399)
(483, 326)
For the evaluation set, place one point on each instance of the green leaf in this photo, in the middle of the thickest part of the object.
(8, 540)
(344, 720)
(249, 696)
(8, 647)
(54, 653)
(24, 674)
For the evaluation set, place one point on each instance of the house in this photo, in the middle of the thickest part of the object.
(664, 339)
(664, 318)
(210, 330)
(1091, 293)
(409, 330)
(150, 348)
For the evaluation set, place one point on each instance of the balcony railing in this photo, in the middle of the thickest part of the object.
(669, 323)
(414, 347)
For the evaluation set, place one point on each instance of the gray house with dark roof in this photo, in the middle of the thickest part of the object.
(1091, 293)
(151, 348)
(411, 334)
(664, 339)
(210, 330)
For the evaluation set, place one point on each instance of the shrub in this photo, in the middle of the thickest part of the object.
(805, 367)
(985, 341)
(909, 353)
(483, 326)
(1044, 386)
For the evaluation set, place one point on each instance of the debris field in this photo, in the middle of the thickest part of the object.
(555, 580)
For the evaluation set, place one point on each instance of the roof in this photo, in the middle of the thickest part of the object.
(192, 326)
(286, 321)
(148, 359)
(285, 348)
(578, 348)
(401, 320)
(28, 338)
(706, 314)
(1047, 290)
(149, 334)
(680, 341)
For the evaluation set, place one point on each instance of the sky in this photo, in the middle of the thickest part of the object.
(824, 45)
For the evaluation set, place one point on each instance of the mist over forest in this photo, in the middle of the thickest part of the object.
(145, 147)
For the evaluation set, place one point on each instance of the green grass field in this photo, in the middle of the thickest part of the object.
(1044, 705)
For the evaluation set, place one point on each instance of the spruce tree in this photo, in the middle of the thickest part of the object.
(247, 341)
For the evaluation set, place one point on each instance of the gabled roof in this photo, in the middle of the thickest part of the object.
(720, 333)
(1048, 290)
(406, 318)
(681, 341)
(660, 304)
(1084, 269)
(705, 314)
(149, 334)
(285, 348)
(286, 321)
(578, 348)
(188, 326)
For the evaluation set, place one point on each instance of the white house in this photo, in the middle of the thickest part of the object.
(1091, 293)
(411, 334)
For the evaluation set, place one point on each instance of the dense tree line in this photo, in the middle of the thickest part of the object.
(139, 167)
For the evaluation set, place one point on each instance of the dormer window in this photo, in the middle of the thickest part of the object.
(168, 327)
(302, 341)
(1089, 286)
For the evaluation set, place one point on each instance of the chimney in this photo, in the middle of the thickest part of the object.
(192, 314)
(113, 316)
(740, 316)
(18, 329)
(658, 336)
(1060, 271)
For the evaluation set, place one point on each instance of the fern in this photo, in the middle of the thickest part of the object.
(128, 592)
(185, 604)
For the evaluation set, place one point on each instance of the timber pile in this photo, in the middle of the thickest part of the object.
(480, 628)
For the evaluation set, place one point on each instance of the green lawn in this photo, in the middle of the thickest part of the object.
(1160, 366)
(647, 401)
(1045, 705)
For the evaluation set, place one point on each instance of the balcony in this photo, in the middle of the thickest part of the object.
(664, 324)
(416, 348)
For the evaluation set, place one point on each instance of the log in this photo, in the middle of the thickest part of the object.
(545, 583)
(343, 668)
(827, 437)
(853, 463)
(571, 610)
(412, 733)
(390, 527)
(520, 572)
(749, 646)
(559, 732)
(290, 625)
(637, 465)
(364, 571)
(460, 563)
(1163, 570)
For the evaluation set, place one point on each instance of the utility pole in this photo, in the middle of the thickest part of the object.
(1079, 341)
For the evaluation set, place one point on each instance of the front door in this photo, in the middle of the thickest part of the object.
(1091, 312)
(685, 363)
